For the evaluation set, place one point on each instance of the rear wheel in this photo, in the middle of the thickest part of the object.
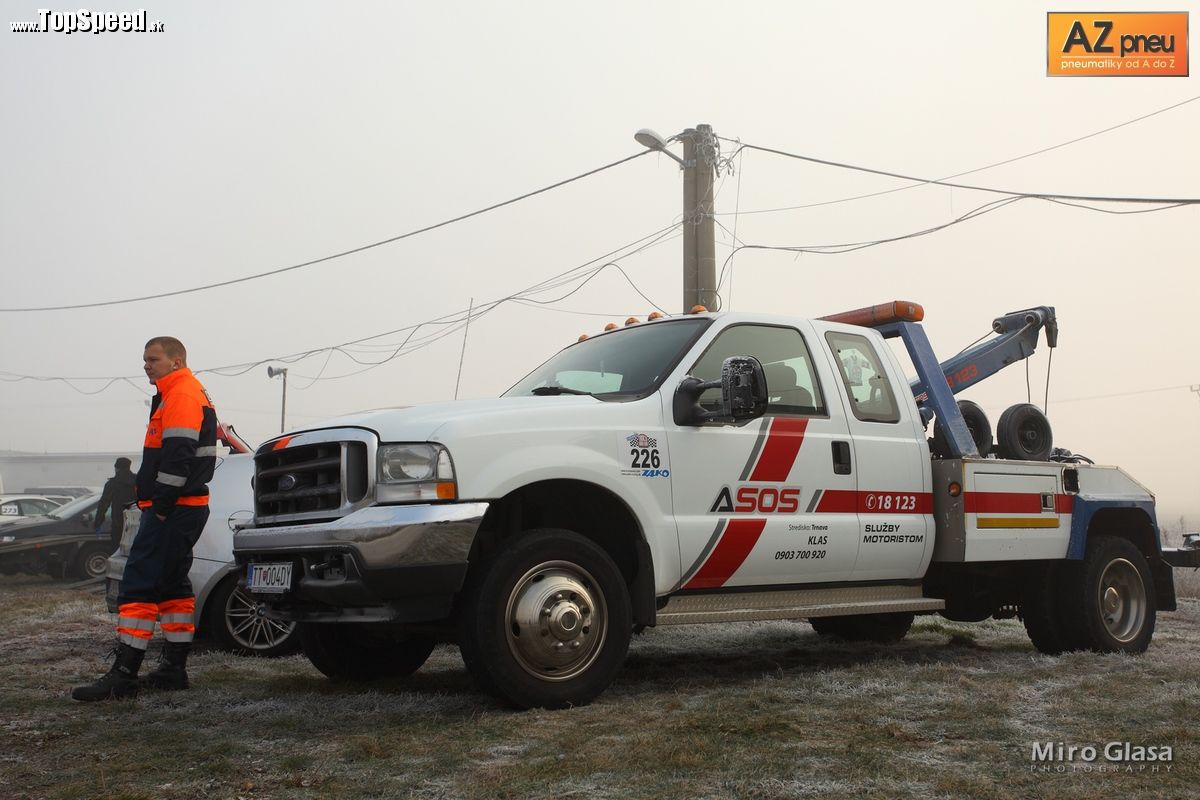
(547, 622)
(237, 624)
(1108, 597)
(363, 651)
(91, 560)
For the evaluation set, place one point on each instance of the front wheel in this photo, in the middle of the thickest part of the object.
(234, 618)
(91, 561)
(363, 651)
(1108, 597)
(547, 622)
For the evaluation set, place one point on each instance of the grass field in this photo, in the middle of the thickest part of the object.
(763, 710)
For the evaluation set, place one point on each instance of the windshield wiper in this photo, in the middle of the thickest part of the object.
(541, 391)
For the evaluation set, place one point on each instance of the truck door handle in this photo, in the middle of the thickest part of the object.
(841, 458)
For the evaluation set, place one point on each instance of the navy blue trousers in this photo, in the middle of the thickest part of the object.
(161, 555)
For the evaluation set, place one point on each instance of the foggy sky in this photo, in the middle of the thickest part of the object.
(249, 137)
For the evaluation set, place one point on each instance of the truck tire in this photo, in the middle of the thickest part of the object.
(547, 622)
(1041, 610)
(363, 651)
(977, 423)
(1108, 598)
(91, 560)
(233, 621)
(1023, 433)
(879, 628)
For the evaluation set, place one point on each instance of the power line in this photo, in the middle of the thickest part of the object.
(1123, 394)
(974, 188)
(581, 274)
(986, 208)
(976, 169)
(341, 254)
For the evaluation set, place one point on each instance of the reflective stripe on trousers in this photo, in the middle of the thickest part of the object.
(176, 619)
(135, 623)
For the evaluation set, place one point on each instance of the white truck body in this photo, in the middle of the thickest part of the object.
(823, 503)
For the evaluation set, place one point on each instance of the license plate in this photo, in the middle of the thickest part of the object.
(269, 578)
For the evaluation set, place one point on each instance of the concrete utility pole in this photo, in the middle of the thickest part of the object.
(699, 234)
(699, 164)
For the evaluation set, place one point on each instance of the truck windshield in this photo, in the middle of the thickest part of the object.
(626, 364)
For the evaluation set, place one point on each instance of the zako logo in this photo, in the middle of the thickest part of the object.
(757, 499)
(1124, 44)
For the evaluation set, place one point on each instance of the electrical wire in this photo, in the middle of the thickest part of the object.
(1124, 394)
(333, 256)
(991, 189)
(585, 271)
(976, 169)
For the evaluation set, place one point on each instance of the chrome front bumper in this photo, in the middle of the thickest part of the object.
(381, 536)
(383, 563)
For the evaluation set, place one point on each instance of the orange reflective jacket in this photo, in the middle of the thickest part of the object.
(180, 452)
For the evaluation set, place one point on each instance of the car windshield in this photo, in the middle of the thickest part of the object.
(625, 364)
(74, 507)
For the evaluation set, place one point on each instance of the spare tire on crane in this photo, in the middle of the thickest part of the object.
(977, 423)
(1024, 434)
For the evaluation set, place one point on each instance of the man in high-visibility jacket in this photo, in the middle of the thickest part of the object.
(177, 463)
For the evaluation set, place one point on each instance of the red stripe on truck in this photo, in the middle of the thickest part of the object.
(848, 501)
(736, 542)
(1013, 503)
(779, 452)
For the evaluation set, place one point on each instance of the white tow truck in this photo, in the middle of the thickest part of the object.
(698, 469)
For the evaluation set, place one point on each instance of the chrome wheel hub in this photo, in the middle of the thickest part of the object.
(556, 621)
(1123, 600)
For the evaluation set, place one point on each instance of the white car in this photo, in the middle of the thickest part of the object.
(224, 613)
(18, 506)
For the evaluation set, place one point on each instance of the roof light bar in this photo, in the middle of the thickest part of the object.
(872, 316)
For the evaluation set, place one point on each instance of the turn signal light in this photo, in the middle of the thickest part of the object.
(955, 488)
(871, 316)
(446, 490)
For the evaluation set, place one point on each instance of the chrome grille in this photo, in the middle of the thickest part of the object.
(316, 476)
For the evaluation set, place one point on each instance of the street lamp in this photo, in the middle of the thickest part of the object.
(271, 373)
(699, 232)
(651, 140)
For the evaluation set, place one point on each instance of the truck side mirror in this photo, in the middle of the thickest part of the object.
(743, 388)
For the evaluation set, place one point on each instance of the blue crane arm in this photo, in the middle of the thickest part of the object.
(937, 382)
(1016, 340)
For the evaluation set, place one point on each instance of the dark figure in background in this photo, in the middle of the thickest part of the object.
(118, 493)
(172, 490)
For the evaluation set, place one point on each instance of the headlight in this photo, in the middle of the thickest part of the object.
(409, 472)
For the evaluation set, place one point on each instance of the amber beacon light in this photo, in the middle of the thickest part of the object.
(871, 316)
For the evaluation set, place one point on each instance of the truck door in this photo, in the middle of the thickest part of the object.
(745, 495)
(893, 502)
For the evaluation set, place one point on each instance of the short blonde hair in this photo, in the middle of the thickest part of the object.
(171, 346)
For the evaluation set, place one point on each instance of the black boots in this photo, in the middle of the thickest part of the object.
(171, 673)
(120, 681)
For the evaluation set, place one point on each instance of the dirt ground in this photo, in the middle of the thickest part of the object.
(762, 710)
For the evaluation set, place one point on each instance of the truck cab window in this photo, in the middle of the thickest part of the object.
(792, 386)
(867, 384)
